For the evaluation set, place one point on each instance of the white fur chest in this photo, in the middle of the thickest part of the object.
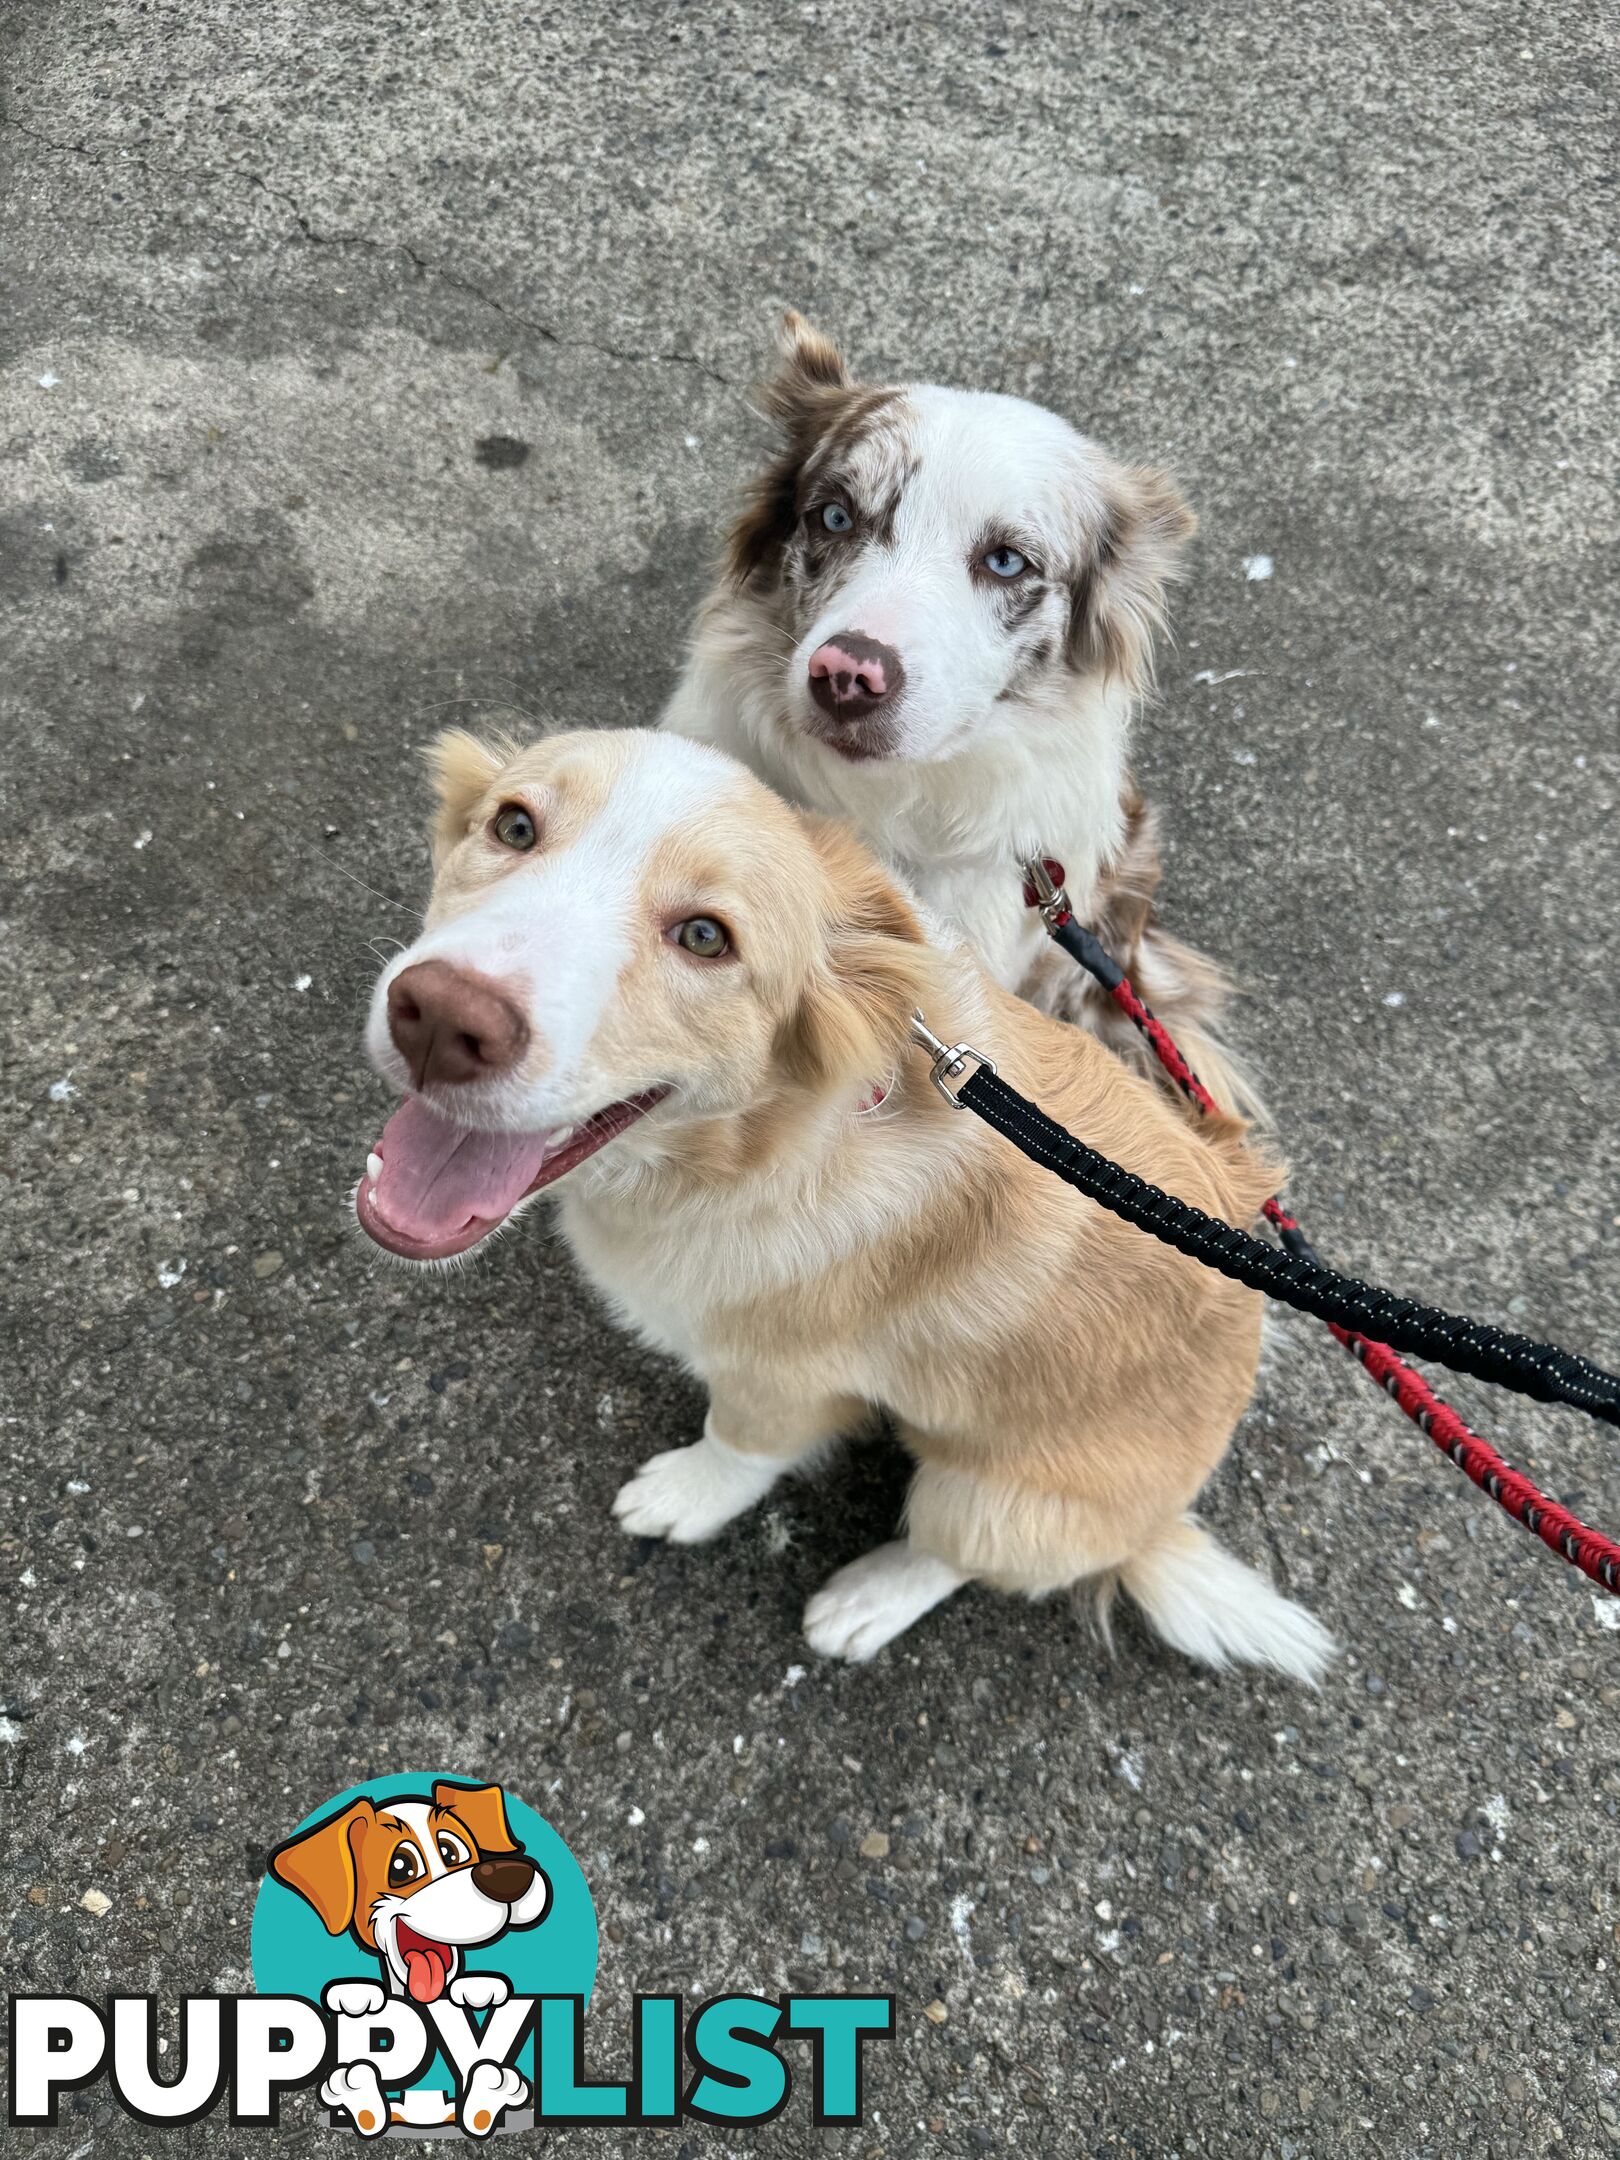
(983, 904)
(681, 1273)
(1044, 776)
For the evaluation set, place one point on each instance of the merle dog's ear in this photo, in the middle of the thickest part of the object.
(809, 365)
(1129, 561)
(809, 389)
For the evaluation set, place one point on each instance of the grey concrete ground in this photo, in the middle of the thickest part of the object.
(275, 278)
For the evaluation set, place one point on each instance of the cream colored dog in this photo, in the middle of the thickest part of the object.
(647, 980)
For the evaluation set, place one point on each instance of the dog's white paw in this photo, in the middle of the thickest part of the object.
(356, 2089)
(354, 1998)
(479, 1991)
(874, 1599)
(688, 1494)
(491, 2090)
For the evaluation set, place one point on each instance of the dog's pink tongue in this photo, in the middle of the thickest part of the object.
(424, 1975)
(437, 1178)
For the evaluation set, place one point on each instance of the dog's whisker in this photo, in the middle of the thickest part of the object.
(495, 675)
(319, 955)
(491, 704)
(376, 891)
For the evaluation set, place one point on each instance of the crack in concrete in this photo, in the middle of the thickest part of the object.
(99, 153)
(1257, 1486)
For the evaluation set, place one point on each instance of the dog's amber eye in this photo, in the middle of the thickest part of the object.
(514, 828)
(702, 936)
(404, 1866)
(451, 1850)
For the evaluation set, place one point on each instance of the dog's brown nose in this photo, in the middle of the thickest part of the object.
(450, 1025)
(851, 675)
(504, 1876)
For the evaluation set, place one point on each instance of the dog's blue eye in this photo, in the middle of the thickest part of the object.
(837, 519)
(1005, 562)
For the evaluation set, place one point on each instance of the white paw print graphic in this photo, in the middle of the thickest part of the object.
(357, 2091)
(479, 1991)
(491, 2089)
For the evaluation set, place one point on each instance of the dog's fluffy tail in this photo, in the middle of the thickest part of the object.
(1211, 1607)
(1187, 998)
(1189, 991)
(1190, 994)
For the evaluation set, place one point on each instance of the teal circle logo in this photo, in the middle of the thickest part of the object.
(410, 1889)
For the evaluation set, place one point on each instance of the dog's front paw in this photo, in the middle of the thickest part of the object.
(356, 2089)
(688, 1494)
(479, 1991)
(874, 1599)
(354, 1998)
(491, 2090)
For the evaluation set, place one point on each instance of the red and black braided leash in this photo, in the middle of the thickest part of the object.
(1583, 1547)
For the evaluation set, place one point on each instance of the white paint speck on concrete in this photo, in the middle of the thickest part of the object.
(1127, 1767)
(962, 1909)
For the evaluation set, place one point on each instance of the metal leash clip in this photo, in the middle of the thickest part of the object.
(950, 1059)
(1044, 889)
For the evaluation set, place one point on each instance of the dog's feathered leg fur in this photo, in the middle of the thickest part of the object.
(1188, 991)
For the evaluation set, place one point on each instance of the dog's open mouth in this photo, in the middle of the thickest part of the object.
(429, 1965)
(433, 1189)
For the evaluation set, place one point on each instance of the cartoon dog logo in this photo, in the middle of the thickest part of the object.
(416, 1881)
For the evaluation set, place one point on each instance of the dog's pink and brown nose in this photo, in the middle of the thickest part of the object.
(504, 1876)
(451, 1025)
(852, 676)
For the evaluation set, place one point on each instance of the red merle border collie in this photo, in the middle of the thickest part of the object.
(936, 619)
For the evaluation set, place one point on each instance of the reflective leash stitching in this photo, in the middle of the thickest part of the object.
(1294, 1275)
